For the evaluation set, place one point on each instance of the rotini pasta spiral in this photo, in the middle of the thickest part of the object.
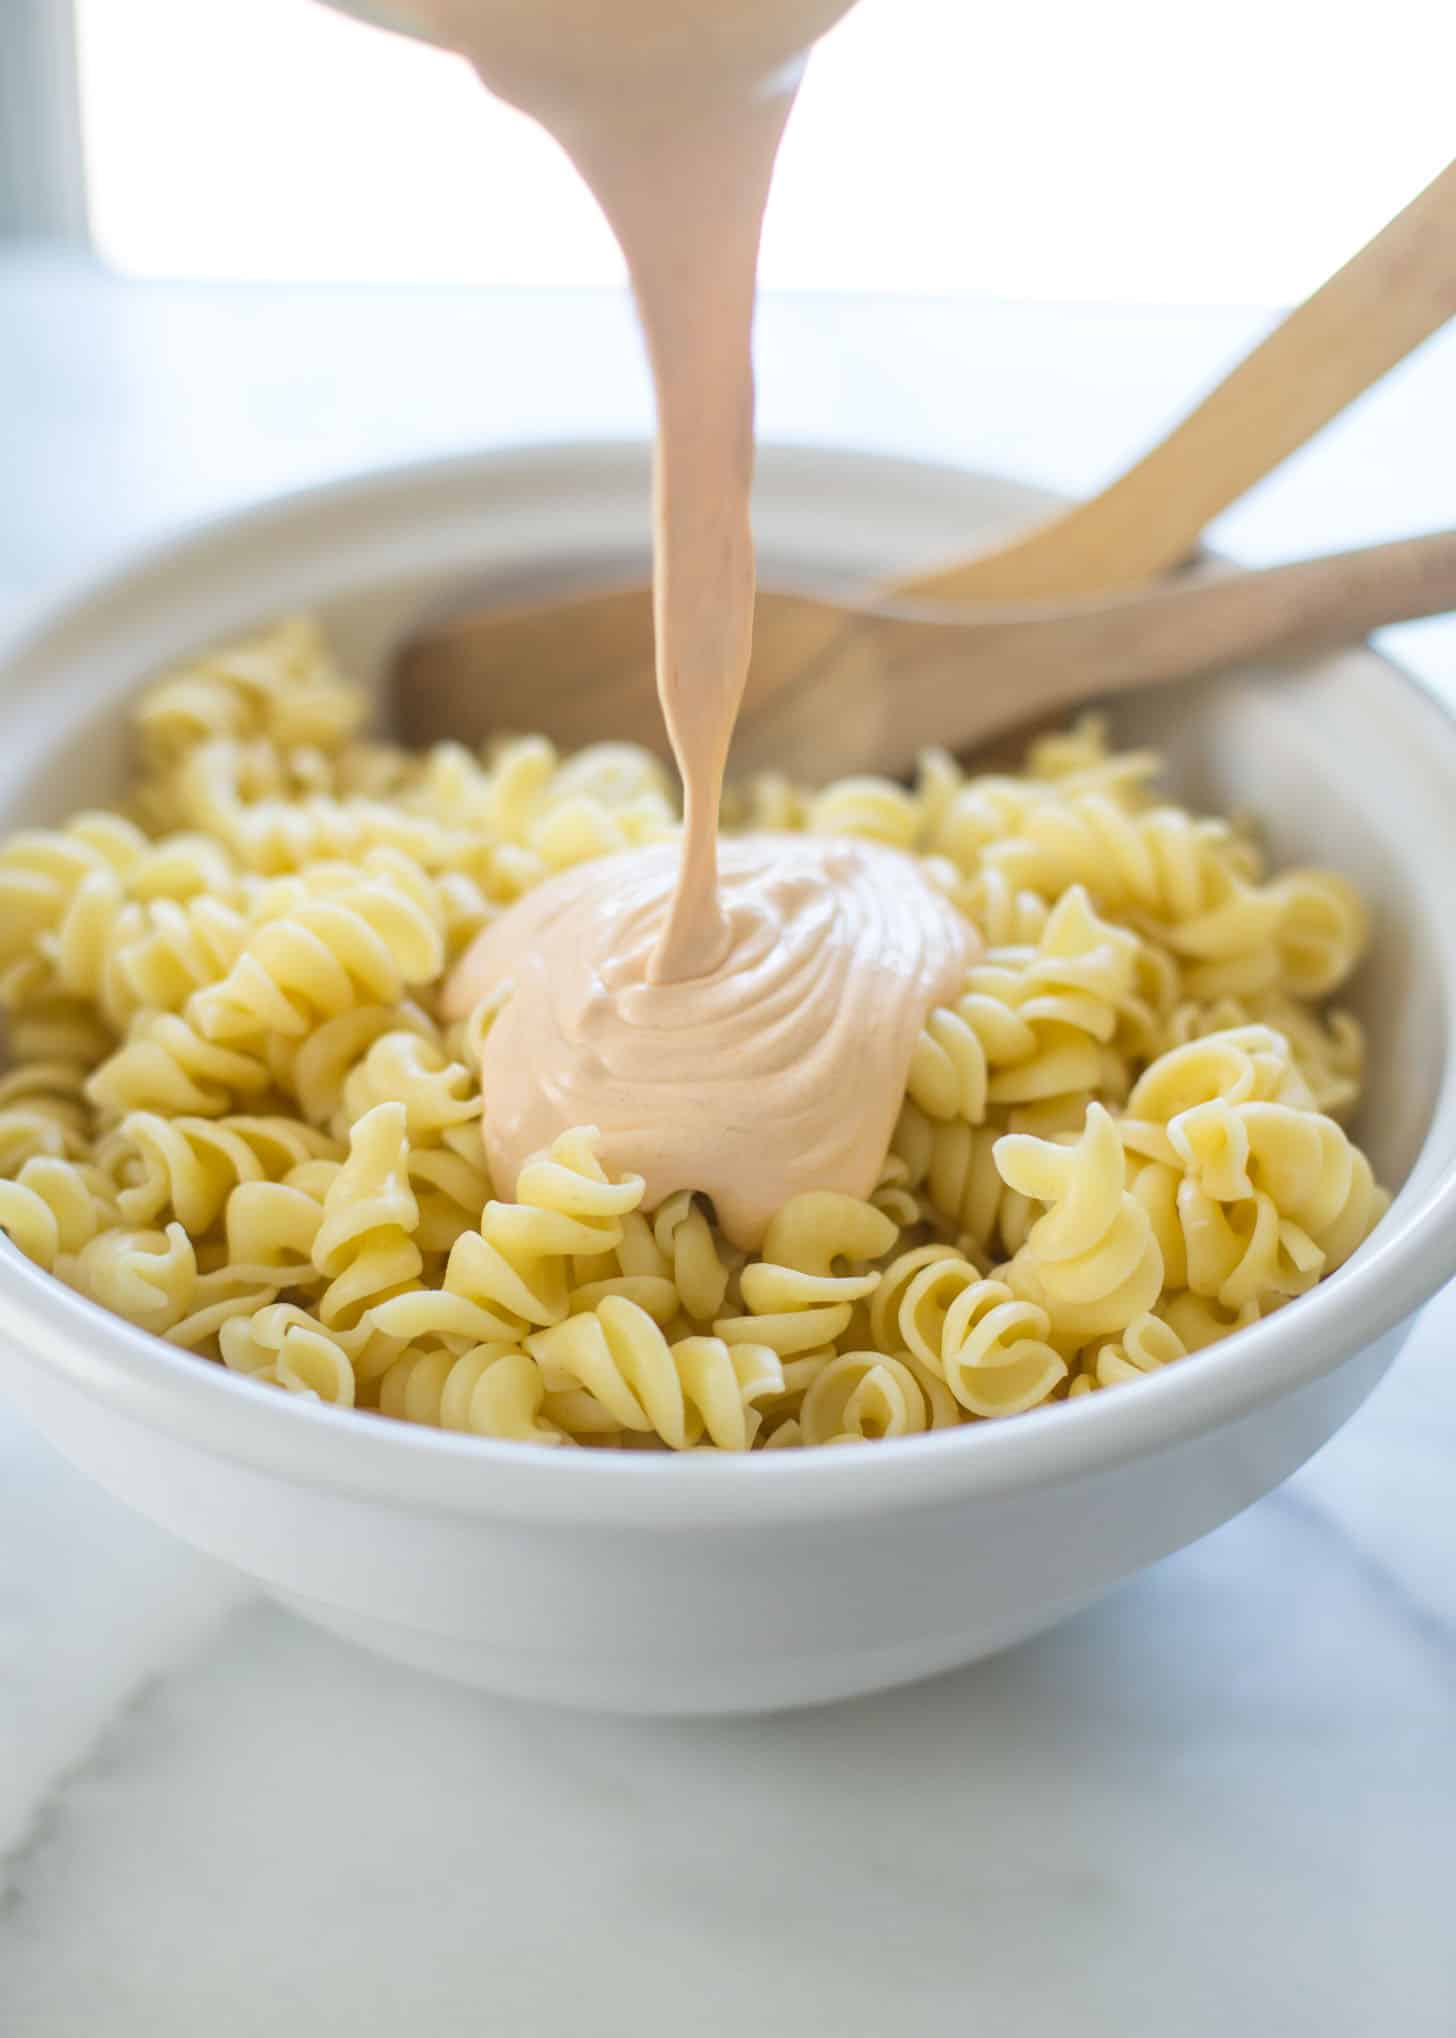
(1184, 880)
(229, 1113)
(679, 1392)
(1030, 1028)
(641, 1269)
(872, 807)
(451, 1189)
(281, 1346)
(315, 1069)
(166, 1065)
(286, 1346)
(1092, 1262)
(325, 944)
(1144, 1346)
(129, 958)
(1314, 1175)
(438, 1095)
(153, 1278)
(1240, 1252)
(281, 684)
(1328, 1048)
(43, 1110)
(1323, 927)
(248, 797)
(273, 1226)
(190, 1166)
(894, 1194)
(53, 1207)
(1248, 1063)
(512, 1273)
(40, 1022)
(693, 1261)
(1077, 759)
(1198, 1321)
(954, 1165)
(41, 870)
(988, 1346)
(550, 813)
(796, 1302)
(95, 910)
(863, 1397)
(149, 1277)
(492, 1390)
(364, 1247)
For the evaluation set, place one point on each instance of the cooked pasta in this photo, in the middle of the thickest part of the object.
(229, 1111)
(53, 1206)
(365, 1246)
(188, 1167)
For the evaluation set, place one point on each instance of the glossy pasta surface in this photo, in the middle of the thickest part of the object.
(229, 1113)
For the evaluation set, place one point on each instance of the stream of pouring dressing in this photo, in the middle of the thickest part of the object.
(736, 1021)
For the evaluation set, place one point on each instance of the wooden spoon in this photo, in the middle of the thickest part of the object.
(525, 666)
(1397, 291)
(874, 685)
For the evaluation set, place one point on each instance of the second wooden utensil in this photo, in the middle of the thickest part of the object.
(1397, 291)
(1385, 301)
(871, 687)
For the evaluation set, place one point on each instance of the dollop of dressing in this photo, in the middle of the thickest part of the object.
(745, 1030)
(780, 1069)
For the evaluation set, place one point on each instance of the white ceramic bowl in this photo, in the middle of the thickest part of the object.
(691, 1584)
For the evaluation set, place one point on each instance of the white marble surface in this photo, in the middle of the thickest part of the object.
(1225, 1799)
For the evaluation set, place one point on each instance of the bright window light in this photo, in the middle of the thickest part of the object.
(1129, 151)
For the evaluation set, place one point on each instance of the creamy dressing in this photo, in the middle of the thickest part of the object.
(744, 1031)
(781, 1070)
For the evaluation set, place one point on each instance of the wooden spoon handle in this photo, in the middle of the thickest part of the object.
(1392, 295)
(1169, 632)
(895, 681)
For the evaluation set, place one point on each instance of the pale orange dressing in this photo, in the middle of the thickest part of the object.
(743, 1030)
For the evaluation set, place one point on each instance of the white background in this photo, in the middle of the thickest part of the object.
(1133, 151)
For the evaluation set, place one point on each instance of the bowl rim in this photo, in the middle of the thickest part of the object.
(140, 1377)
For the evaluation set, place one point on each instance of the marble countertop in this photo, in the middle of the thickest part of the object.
(1223, 1799)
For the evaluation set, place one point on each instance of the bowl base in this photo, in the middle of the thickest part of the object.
(781, 1685)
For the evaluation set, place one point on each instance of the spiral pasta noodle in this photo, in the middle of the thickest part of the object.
(41, 871)
(43, 1110)
(282, 685)
(680, 1392)
(285, 1345)
(229, 1111)
(314, 1070)
(325, 943)
(188, 1167)
(795, 1300)
(279, 1345)
(988, 1345)
(511, 1273)
(53, 1207)
(1146, 1344)
(864, 1397)
(165, 1065)
(1092, 1260)
(152, 957)
(365, 1246)
(493, 1390)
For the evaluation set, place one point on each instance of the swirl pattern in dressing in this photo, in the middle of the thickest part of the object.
(779, 1070)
